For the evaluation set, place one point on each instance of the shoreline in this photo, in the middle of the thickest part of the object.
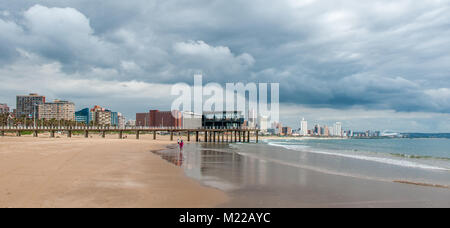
(96, 172)
(301, 138)
(261, 182)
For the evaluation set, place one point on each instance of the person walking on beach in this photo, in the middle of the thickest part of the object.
(181, 143)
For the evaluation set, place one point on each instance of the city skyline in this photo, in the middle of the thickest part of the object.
(122, 118)
(59, 109)
(378, 65)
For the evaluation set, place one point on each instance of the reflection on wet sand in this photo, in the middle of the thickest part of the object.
(172, 155)
(259, 182)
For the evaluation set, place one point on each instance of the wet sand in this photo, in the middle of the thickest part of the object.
(252, 181)
(95, 172)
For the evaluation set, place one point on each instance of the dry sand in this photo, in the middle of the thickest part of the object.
(95, 172)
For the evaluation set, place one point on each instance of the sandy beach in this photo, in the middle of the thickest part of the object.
(111, 172)
(95, 172)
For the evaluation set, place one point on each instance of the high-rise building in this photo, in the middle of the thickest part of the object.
(263, 123)
(143, 119)
(252, 118)
(100, 116)
(171, 119)
(27, 105)
(326, 131)
(114, 118)
(4, 108)
(161, 119)
(286, 131)
(83, 116)
(304, 127)
(121, 120)
(338, 129)
(317, 129)
(278, 127)
(58, 110)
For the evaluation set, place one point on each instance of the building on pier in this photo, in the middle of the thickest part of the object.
(191, 120)
(222, 120)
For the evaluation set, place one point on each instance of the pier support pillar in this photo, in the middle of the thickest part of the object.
(154, 135)
(206, 136)
(35, 134)
(223, 136)
(239, 136)
(196, 136)
(19, 133)
(214, 136)
(171, 135)
(243, 136)
(257, 136)
(189, 136)
(86, 134)
(52, 134)
(248, 136)
(137, 134)
(103, 134)
(235, 136)
(120, 134)
(69, 134)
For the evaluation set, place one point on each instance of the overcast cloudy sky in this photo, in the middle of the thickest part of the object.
(371, 64)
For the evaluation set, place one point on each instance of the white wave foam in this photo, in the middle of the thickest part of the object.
(313, 168)
(390, 161)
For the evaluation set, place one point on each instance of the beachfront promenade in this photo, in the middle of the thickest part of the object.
(201, 135)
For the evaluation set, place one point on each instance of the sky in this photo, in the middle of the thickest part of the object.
(378, 65)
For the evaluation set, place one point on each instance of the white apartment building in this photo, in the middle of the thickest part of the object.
(304, 127)
(263, 123)
(58, 110)
(338, 129)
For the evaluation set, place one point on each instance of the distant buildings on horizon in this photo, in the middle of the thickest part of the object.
(34, 106)
(4, 108)
(316, 130)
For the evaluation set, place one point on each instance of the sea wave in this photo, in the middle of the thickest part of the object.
(418, 156)
(384, 160)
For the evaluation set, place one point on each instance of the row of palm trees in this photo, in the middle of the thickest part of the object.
(7, 120)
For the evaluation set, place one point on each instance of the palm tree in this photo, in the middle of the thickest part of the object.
(4, 119)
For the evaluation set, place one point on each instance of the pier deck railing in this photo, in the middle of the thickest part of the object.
(209, 135)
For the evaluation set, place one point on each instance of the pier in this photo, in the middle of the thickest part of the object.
(209, 135)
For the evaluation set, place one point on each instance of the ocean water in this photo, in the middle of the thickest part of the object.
(431, 154)
(413, 160)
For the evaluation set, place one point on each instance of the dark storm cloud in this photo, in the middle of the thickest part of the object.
(337, 54)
